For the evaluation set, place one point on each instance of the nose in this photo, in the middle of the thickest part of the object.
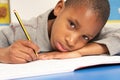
(71, 40)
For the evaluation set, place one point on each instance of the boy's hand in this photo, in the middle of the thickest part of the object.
(21, 52)
(59, 55)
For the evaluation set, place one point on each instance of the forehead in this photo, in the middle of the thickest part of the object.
(86, 18)
(83, 13)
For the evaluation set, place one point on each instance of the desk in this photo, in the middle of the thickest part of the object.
(111, 72)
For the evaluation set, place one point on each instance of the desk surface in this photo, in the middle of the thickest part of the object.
(109, 72)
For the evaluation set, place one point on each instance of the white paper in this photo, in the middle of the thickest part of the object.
(45, 67)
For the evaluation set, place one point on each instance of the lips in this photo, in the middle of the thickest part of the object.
(60, 47)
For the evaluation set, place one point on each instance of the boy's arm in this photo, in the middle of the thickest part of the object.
(93, 49)
(110, 36)
(89, 49)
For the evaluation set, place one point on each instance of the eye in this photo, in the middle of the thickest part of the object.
(86, 37)
(72, 25)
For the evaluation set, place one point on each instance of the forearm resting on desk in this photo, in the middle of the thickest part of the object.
(89, 49)
(93, 49)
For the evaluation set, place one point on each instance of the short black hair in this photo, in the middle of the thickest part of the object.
(101, 7)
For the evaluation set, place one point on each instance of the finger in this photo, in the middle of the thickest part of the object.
(29, 53)
(66, 55)
(44, 57)
(52, 55)
(24, 52)
(22, 55)
(17, 60)
(30, 44)
(59, 55)
(49, 55)
(23, 47)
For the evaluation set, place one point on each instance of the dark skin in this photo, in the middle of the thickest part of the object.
(69, 37)
(70, 34)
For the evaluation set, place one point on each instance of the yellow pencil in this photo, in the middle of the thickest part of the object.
(24, 29)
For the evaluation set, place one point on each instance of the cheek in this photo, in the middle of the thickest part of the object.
(57, 33)
(59, 29)
(80, 45)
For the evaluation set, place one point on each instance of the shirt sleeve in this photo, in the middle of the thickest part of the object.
(110, 36)
(6, 35)
(9, 34)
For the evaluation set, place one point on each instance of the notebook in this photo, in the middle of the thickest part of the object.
(45, 67)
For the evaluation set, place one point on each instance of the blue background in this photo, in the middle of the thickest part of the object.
(115, 14)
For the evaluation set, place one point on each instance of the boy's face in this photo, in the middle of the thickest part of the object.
(74, 28)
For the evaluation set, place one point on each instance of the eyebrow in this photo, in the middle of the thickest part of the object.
(76, 22)
(90, 35)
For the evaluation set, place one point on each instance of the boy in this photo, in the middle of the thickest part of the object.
(68, 31)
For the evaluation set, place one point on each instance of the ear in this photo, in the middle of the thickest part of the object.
(59, 7)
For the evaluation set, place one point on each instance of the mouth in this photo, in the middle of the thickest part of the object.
(60, 47)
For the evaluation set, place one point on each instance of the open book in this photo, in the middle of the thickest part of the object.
(45, 67)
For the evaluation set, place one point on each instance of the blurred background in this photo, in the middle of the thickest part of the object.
(115, 9)
(33, 8)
